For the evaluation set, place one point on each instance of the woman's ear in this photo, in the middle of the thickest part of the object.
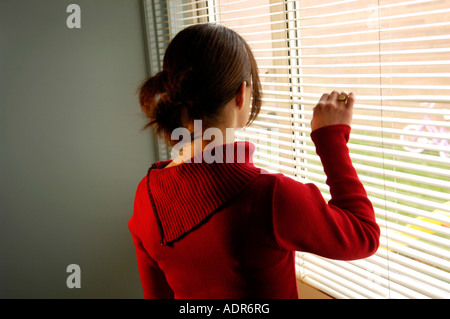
(240, 96)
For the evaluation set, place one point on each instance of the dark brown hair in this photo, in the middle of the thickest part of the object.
(203, 69)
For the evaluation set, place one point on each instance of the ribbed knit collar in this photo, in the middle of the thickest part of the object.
(183, 196)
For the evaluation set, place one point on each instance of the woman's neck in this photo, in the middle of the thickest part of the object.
(209, 138)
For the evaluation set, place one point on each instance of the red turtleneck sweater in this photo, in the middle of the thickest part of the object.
(230, 230)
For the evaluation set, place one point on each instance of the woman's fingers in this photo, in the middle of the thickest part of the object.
(333, 108)
(342, 98)
(323, 99)
(333, 97)
(351, 100)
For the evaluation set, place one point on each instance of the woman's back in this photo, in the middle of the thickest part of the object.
(229, 230)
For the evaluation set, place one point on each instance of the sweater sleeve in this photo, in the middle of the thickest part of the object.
(153, 279)
(345, 227)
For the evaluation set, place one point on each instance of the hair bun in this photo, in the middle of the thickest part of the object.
(161, 100)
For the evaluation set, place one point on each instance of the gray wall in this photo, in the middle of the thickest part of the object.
(72, 152)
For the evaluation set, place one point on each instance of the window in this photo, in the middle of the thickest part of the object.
(395, 56)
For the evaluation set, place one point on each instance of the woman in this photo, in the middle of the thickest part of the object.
(225, 228)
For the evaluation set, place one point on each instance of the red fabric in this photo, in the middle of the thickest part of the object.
(230, 230)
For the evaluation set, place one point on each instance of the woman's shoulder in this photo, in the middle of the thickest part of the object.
(274, 177)
(274, 180)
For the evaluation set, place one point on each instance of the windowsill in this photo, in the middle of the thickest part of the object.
(307, 292)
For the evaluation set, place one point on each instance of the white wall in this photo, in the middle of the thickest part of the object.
(71, 151)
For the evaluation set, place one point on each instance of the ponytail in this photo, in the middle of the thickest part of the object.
(159, 100)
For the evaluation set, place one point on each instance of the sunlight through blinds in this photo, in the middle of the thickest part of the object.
(395, 55)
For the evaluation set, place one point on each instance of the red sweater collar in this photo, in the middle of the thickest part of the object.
(183, 196)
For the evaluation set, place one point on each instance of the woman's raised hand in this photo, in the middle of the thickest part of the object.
(334, 108)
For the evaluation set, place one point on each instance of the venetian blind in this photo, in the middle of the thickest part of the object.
(395, 55)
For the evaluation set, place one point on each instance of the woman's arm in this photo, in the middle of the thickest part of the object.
(153, 280)
(345, 227)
